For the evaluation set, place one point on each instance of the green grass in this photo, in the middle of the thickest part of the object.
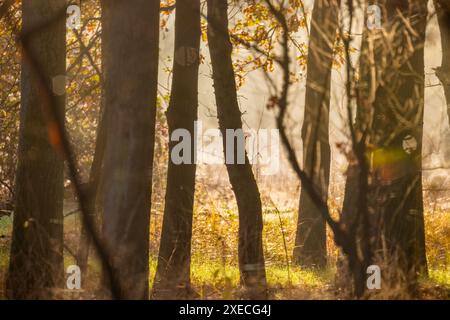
(440, 277)
(5, 225)
(214, 241)
(223, 280)
(5, 229)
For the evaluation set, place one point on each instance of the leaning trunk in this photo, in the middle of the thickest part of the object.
(251, 255)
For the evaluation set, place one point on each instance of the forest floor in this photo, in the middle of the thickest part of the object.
(214, 271)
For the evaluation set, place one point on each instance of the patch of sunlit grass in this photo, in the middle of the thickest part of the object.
(440, 277)
(437, 230)
(5, 231)
(213, 279)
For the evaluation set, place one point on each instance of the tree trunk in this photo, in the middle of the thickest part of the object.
(395, 95)
(443, 72)
(251, 255)
(36, 260)
(173, 270)
(310, 243)
(93, 185)
(130, 38)
(390, 97)
(355, 211)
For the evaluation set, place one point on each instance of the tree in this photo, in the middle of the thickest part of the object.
(36, 258)
(251, 255)
(310, 242)
(93, 195)
(130, 39)
(390, 101)
(442, 8)
(173, 270)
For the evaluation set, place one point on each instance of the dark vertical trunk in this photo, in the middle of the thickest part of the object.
(130, 37)
(93, 191)
(36, 260)
(310, 243)
(392, 93)
(251, 255)
(443, 72)
(173, 270)
(355, 211)
(94, 188)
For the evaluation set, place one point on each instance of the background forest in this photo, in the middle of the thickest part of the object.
(94, 92)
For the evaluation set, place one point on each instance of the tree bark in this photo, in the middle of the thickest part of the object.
(130, 38)
(36, 258)
(390, 108)
(310, 243)
(443, 72)
(173, 270)
(93, 191)
(251, 255)
(389, 122)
